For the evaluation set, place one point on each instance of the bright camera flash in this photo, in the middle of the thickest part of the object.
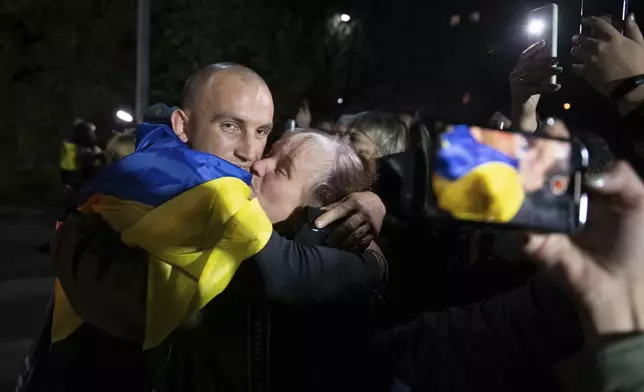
(536, 27)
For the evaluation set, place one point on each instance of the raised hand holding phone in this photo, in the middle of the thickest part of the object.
(608, 61)
(531, 77)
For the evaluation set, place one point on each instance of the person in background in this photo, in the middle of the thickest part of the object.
(324, 125)
(303, 118)
(374, 135)
(80, 159)
(480, 253)
(341, 127)
(614, 63)
(119, 146)
(603, 271)
(159, 113)
(407, 118)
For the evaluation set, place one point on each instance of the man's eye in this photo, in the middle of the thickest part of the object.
(264, 132)
(229, 127)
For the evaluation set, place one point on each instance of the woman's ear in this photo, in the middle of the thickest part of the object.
(179, 120)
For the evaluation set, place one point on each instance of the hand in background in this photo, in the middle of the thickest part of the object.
(529, 79)
(611, 57)
(603, 265)
(303, 117)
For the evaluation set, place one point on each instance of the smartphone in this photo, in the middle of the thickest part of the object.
(498, 177)
(543, 24)
(613, 11)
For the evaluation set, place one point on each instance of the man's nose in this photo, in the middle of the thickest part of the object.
(249, 151)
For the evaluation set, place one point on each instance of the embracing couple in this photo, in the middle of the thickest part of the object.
(171, 276)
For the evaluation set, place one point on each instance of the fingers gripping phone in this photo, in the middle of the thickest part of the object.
(543, 24)
(508, 178)
(613, 11)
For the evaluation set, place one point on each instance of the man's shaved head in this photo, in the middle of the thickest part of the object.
(203, 77)
(227, 111)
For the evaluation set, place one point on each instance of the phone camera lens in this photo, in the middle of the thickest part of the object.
(558, 185)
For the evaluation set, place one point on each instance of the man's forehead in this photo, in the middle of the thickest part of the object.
(249, 100)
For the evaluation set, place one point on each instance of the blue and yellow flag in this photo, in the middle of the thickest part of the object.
(191, 211)
(474, 181)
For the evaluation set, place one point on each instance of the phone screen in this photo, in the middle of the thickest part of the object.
(613, 11)
(494, 176)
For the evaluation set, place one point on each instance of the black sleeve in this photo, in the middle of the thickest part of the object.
(105, 281)
(293, 273)
(488, 345)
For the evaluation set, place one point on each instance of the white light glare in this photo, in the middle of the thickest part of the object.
(536, 27)
(340, 100)
(124, 116)
(345, 17)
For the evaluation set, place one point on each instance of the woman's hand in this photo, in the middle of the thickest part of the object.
(529, 79)
(604, 264)
(611, 57)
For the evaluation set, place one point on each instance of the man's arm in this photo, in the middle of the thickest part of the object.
(104, 280)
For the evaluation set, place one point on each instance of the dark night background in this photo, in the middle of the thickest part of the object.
(67, 59)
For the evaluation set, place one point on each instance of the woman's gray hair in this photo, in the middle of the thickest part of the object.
(342, 175)
(387, 132)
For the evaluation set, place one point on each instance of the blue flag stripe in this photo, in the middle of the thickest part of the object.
(161, 168)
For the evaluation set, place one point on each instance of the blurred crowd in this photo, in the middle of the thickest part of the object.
(333, 271)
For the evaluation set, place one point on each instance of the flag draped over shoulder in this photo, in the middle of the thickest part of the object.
(191, 211)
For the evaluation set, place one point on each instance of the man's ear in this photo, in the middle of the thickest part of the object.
(179, 120)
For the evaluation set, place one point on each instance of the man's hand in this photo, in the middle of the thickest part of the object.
(365, 212)
(603, 263)
(529, 79)
(610, 58)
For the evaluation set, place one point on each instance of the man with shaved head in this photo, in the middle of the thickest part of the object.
(227, 111)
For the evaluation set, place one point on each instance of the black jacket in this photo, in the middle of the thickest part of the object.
(229, 345)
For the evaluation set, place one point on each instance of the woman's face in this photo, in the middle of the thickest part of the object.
(362, 144)
(282, 180)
